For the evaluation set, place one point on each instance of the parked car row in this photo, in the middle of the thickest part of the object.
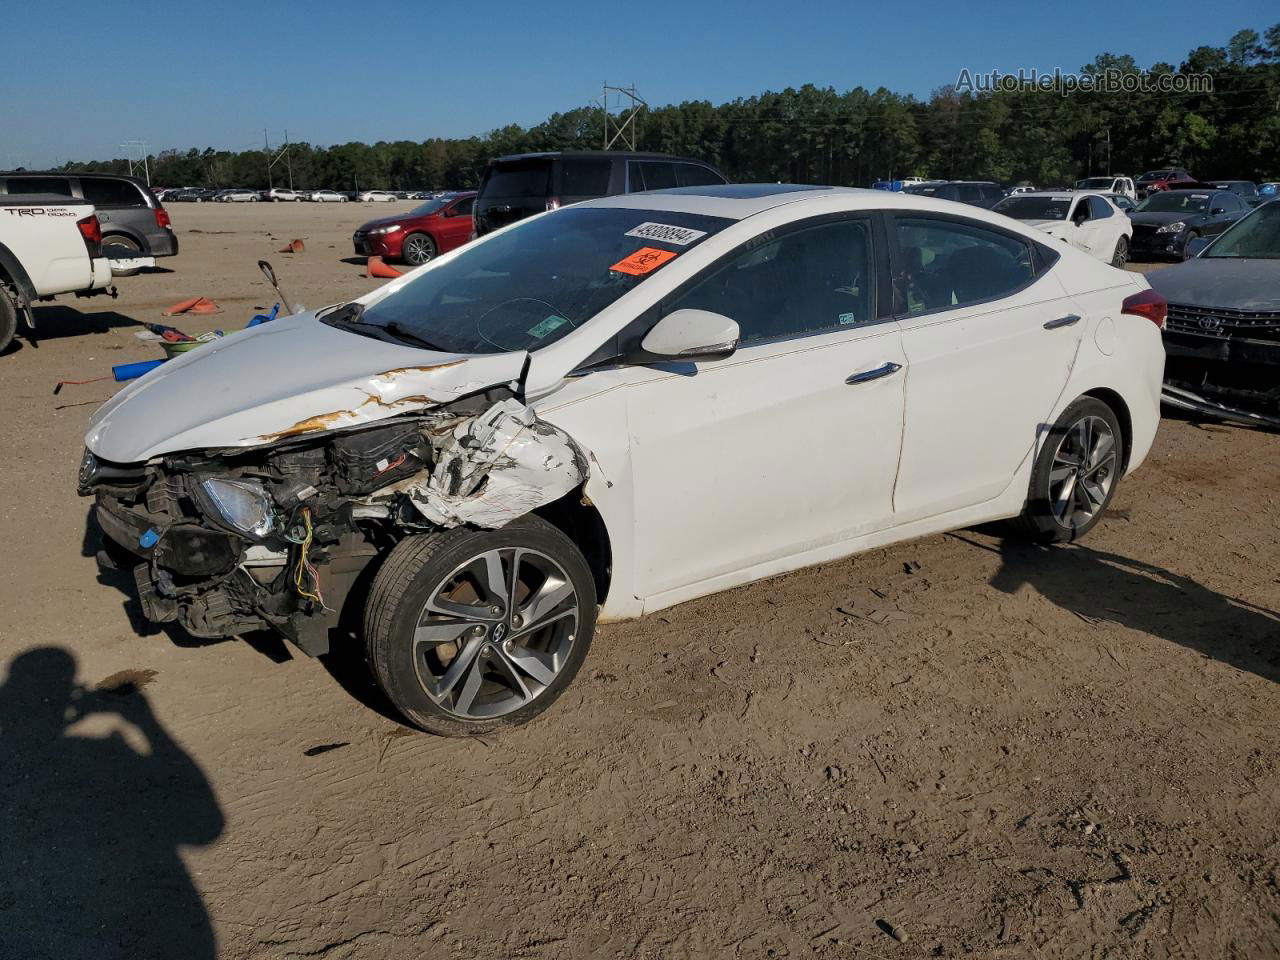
(285, 195)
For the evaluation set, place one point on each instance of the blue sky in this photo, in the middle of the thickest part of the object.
(181, 74)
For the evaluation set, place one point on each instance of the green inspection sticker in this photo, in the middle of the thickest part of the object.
(549, 325)
(847, 318)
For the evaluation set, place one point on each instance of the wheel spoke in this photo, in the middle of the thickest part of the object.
(1102, 447)
(461, 664)
(553, 592)
(541, 666)
(545, 621)
(496, 584)
(439, 631)
(465, 697)
(504, 664)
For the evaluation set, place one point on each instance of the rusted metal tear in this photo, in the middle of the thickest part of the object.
(322, 421)
(493, 468)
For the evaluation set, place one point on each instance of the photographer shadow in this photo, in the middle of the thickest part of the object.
(93, 824)
(1101, 586)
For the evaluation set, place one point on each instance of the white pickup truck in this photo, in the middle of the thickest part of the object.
(48, 245)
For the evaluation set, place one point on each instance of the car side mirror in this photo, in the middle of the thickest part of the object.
(691, 335)
(1217, 210)
(1195, 245)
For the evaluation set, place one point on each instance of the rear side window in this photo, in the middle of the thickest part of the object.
(653, 175)
(29, 185)
(947, 263)
(112, 193)
(696, 175)
(812, 280)
(585, 178)
(521, 178)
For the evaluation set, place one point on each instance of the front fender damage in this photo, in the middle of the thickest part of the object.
(492, 468)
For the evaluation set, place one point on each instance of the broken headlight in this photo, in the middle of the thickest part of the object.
(241, 505)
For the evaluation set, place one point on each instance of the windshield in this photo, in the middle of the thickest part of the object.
(1255, 236)
(524, 178)
(1095, 183)
(431, 206)
(1034, 208)
(1175, 201)
(529, 286)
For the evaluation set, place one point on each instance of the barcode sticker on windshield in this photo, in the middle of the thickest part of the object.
(666, 233)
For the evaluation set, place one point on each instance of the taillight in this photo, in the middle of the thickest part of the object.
(1147, 304)
(91, 230)
(553, 203)
(162, 218)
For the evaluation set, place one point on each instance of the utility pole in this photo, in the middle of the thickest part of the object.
(142, 149)
(624, 129)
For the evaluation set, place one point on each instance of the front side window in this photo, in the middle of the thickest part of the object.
(530, 286)
(811, 280)
(696, 175)
(1098, 208)
(952, 264)
(464, 207)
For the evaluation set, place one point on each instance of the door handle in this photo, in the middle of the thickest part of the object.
(866, 376)
(1069, 320)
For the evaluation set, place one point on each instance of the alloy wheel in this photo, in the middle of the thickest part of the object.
(417, 250)
(495, 633)
(1083, 472)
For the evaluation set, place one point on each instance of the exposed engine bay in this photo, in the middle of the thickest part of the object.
(229, 541)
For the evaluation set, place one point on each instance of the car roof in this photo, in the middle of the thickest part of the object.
(737, 201)
(137, 181)
(577, 154)
(1063, 193)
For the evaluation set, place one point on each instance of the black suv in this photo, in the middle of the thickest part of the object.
(134, 222)
(523, 184)
(977, 193)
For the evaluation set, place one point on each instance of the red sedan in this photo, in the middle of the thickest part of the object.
(422, 234)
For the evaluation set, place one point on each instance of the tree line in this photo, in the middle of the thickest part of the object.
(817, 135)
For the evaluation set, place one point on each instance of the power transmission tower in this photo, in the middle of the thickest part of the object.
(625, 129)
(272, 161)
(142, 150)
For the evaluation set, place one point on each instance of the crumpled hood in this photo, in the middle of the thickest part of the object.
(290, 377)
(1225, 283)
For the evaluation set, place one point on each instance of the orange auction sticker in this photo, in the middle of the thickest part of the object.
(645, 260)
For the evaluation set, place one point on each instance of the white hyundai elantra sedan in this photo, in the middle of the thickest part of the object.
(615, 407)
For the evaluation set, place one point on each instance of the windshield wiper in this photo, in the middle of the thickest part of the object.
(348, 317)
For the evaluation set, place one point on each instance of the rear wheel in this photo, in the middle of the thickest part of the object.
(470, 630)
(118, 247)
(1121, 256)
(1075, 474)
(417, 249)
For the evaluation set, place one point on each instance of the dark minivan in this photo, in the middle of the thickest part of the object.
(134, 222)
(521, 185)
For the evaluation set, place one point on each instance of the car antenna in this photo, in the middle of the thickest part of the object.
(270, 274)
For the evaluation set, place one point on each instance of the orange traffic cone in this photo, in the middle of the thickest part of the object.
(375, 267)
(194, 305)
(294, 246)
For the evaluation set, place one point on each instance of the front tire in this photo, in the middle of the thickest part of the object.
(1075, 474)
(468, 631)
(417, 249)
(8, 320)
(1186, 246)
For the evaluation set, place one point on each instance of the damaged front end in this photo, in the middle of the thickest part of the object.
(228, 541)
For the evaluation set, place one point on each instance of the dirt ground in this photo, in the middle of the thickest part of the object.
(952, 747)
